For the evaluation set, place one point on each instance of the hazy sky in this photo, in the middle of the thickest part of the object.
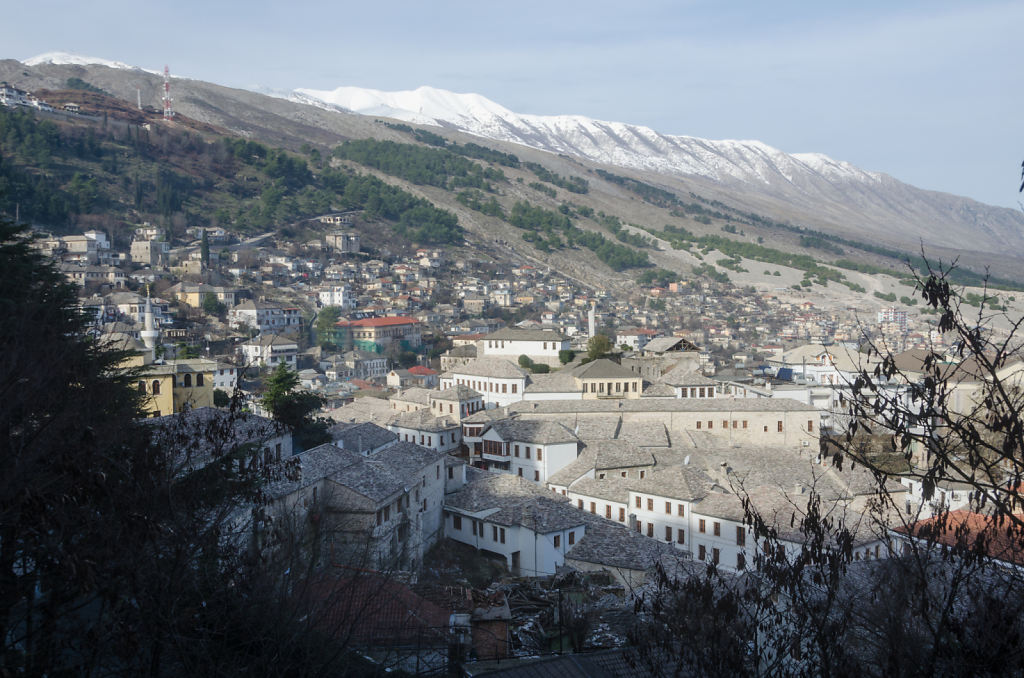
(929, 92)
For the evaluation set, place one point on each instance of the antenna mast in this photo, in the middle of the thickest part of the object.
(168, 111)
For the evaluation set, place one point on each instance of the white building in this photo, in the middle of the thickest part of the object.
(541, 346)
(498, 380)
(530, 449)
(265, 317)
(337, 295)
(270, 350)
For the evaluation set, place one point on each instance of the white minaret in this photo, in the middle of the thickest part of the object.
(591, 321)
(149, 334)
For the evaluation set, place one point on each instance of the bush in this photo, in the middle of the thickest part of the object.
(525, 362)
(566, 356)
(540, 368)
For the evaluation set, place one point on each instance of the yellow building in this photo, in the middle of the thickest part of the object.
(603, 378)
(173, 385)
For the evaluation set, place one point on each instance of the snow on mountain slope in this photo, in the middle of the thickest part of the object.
(614, 143)
(66, 59)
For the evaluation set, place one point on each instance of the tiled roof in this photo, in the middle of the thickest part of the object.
(511, 500)
(603, 368)
(556, 382)
(510, 334)
(531, 431)
(489, 367)
(361, 437)
(619, 454)
(457, 393)
(661, 405)
(423, 420)
(378, 322)
(420, 396)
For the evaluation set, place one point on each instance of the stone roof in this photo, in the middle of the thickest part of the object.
(485, 416)
(511, 334)
(376, 410)
(684, 375)
(677, 482)
(425, 421)
(612, 488)
(562, 381)
(598, 428)
(415, 394)
(602, 368)
(644, 433)
(498, 368)
(581, 466)
(204, 433)
(362, 437)
(507, 499)
(463, 351)
(659, 391)
(265, 340)
(661, 405)
(535, 431)
(457, 393)
(618, 454)
(664, 344)
(615, 545)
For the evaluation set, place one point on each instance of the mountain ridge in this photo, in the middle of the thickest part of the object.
(806, 189)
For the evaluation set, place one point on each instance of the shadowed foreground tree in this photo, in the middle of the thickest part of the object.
(947, 594)
(124, 545)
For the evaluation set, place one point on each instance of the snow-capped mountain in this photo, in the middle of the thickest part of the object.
(811, 186)
(67, 59)
(614, 143)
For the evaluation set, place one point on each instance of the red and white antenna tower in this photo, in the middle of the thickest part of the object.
(168, 111)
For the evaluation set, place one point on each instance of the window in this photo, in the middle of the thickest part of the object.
(156, 387)
(186, 380)
(558, 541)
(680, 536)
(527, 451)
(714, 556)
(199, 379)
(744, 423)
(142, 387)
(650, 529)
(718, 529)
(608, 511)
(810, 426)
(451, 472)
(536, 476)
(622, 473)
(622, 515)
(766, 428)
(681, 511)
(517, 450)
(650, 504)
(593, 507)
(643, 473)
(741, 536)
(520, 473)
(668, 508)
(494, 533)
(741, 562)
(780, 426)
(668, 533)
(579, 503)
(711, 424)
(735, 424)
(501, 535)
(540, 455)
(702, 552)
(572, 538)
(504, 388)
(514, 388)
(437, 472)
(698, 424)
(725, 423)
(638, 502)
(702, 526)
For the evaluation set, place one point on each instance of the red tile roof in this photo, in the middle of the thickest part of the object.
(1001, 540)
(420, 370)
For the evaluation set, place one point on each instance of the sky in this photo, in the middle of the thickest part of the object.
(926, 91)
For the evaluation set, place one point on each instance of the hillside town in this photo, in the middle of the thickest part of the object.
(499, 416)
